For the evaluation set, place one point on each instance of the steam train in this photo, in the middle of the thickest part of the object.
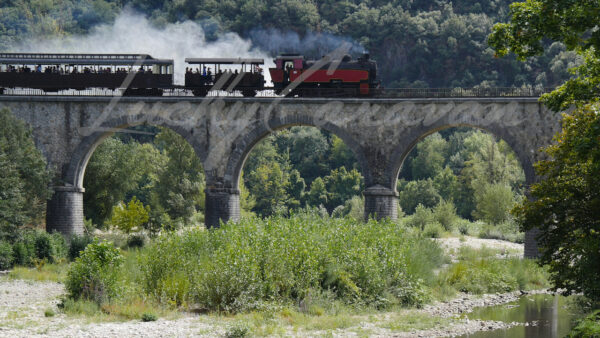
(143, 75)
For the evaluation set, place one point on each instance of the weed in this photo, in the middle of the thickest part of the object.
(49, 313)
(149, 317)
(237, 331)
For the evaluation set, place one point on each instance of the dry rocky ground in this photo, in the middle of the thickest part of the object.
(23, 305)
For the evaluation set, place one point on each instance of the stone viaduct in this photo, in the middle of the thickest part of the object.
(380, 132)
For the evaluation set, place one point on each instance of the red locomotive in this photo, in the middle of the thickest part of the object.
(318, 78)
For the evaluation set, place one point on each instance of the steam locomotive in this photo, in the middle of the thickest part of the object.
(143, 75)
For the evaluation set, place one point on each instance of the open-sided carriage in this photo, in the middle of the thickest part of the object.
(224, 74)
(135, 74)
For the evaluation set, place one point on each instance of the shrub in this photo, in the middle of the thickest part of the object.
(433, 230)
(43, 246)
(237, 331)
(421, 217)
(131, 216)
(239, 266)
(587, 327)
(49, 313)
(149, 317)
(6, 255)
(493, 202)
(60, 247)
(77, 244)
(40, 245)
(23, 254)
(485, 275)
(463, 226)
(94, 275)
(136, 241)
(445, 214)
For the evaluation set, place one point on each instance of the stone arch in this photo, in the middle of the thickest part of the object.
(416, 135)
(243, 144)
(80, 157)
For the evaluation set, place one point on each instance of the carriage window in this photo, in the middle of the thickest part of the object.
(288, 64)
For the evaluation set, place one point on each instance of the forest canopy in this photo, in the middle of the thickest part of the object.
(418, 43)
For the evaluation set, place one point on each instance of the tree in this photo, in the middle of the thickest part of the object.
(574, 23)
(430, 158)
(132, 216)
(12, 200)
(181, 182)
(269, 186)
(342, 185)
(413, 193)
(493, 202)
(296, 189)
(24, 179)
(317, 195)
(114, 169)
(565, 203)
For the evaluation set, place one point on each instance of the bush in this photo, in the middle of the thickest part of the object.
(130, 216)
(23, 254)
(149, 317)
(94, 275)
(136, 241)
(36, 245)
(493, 202)
(445, 214)
(421, 217)
(6, 255)
(239, 266)
(587, 327)
(463, 226)
(433, 230)
(237, 331)
(479, 271)
(77, 244)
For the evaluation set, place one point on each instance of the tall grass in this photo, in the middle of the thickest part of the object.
(240, 266)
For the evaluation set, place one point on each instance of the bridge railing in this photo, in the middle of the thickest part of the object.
(311, 92)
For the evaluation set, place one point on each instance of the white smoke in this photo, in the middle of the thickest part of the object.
(132, 33)
(311, 44)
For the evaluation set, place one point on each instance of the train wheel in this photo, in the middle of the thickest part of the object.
(249, 92)
(200, 92)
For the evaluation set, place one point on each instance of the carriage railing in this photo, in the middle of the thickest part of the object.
(391, 93)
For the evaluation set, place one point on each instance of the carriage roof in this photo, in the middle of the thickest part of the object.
(82, 59)
(225, 61)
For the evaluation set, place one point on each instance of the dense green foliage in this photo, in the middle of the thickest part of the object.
(587, 327)
(574, 23)
(24, 178)
(33, 248)
(306, 263)
(565, 203)
(241, 265)
(421, 43)
(162, 173)
(481, 272)
(94, 274)
(131, 216)
(481, 176)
